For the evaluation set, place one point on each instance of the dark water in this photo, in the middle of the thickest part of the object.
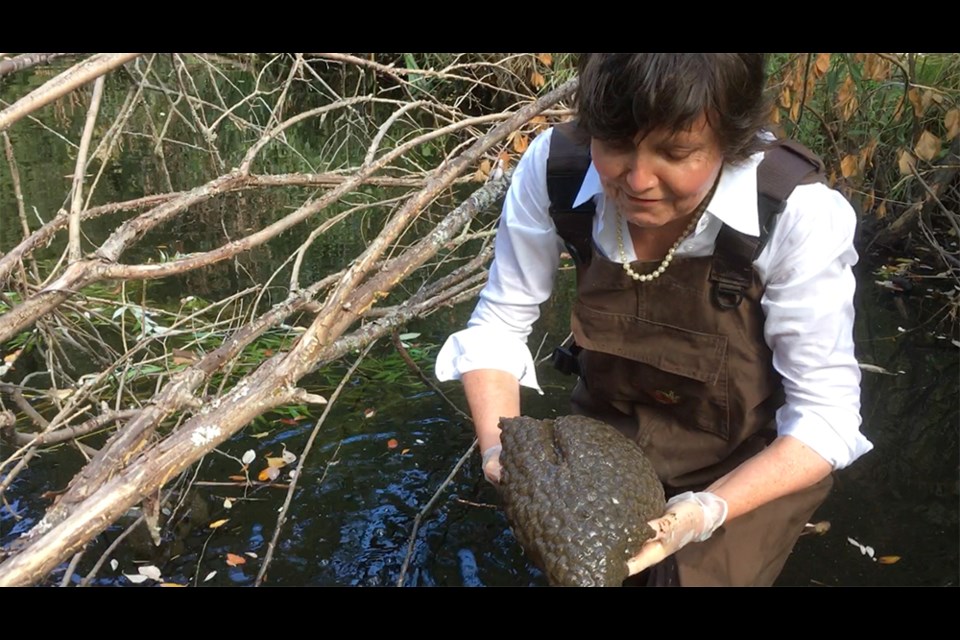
(352, 515)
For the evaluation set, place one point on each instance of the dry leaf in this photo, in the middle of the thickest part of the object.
(248, 456)
(822, 63)
(537, 79)
(171, 584)
(405, 452)
(233, 560)
(210, 576)
(135, 578)
(520, 142)
(847, 98)
(928, 146)
(866, 154)
(545, 58)
(269, 474)
(951, 120)
(183, 356)
(288, 457)
(392, 443)
(775, 115)
(849, 166)
(290, 421)
(227, 503)
(869, 200)
(369, 412)
(898, 109)
(150, 571)
(276, 462)
(888, 559)
(251, 554)
(785, 96)
(10, 358)
(503, 160)
(926, 99)
(905, 161)
(237, 478)
(882, 210)
(876, 68)
(483, 170)
(914, 96)
(219, 523)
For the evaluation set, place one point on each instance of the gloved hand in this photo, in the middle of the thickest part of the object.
(689, 517)
(491, 464)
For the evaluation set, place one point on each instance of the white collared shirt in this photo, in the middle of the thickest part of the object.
(806, 268)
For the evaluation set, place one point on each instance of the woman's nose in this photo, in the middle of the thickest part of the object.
(640, 176)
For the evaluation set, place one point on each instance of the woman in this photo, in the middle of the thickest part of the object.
(744, 409)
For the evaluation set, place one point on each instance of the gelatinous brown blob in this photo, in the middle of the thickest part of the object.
(578, 496)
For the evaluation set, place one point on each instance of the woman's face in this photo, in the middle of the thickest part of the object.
(662, 177)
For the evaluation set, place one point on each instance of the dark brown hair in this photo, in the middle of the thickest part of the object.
(623, 94)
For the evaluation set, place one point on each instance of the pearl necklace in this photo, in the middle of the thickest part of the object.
(667, 259)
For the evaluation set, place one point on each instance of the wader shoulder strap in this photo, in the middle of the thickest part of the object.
(785, 165)
(566, 166)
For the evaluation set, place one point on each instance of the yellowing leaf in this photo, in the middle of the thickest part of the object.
(268, 474)
(888, 559)
(10, 358)
(545, 58)
(218, 523)
(848, 166)
(822, 63)
(905, 162)
(951, 120)
(928, 146)
(236, 478)
(405, 452)
(234, 560)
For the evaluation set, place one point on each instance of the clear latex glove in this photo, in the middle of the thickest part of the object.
(491, 464)
(689, 517)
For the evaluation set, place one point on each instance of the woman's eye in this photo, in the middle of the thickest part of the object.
(677, 154)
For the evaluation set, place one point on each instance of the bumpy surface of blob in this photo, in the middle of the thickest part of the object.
(578, 496)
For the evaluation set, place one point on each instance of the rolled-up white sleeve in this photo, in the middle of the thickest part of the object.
(527, 254)
(808, 302)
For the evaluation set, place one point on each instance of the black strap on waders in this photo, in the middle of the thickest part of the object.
(785, 165)
(567, 164)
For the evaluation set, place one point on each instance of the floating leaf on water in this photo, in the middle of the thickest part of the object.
(292, 474)
(251, 554)
(405, 452)
(135, 578)
(269, 474)
(114, 564)
(888, 559)
(171, 584)
(872, 368)
(227, 503)
(218, 523)
(150, 571)
(234, 560)
(409, 336)
(237, 478)
(288, 456)
(276, 462)
(418, 441)
(261, 435)
(369, 412)
(313, 398)
(392, 443)
(210, 576)
(248, 456)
